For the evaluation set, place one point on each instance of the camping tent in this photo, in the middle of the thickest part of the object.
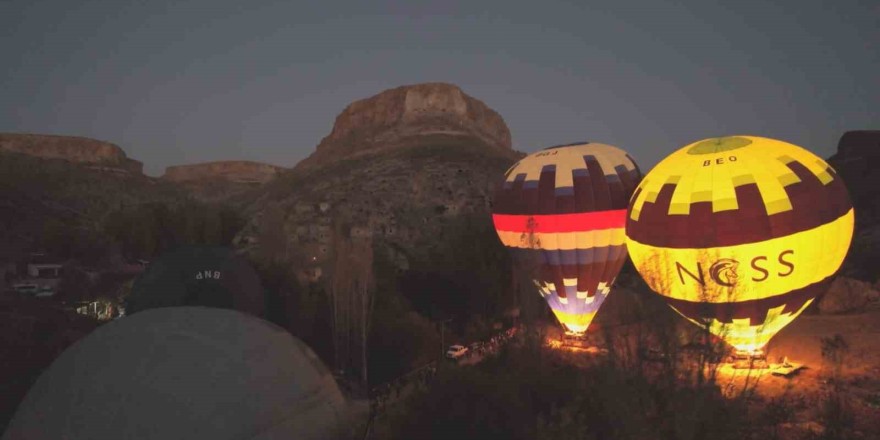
(186, 373)
(198, 275)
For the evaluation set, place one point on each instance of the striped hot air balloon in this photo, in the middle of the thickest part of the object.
(740, 233)
(564, 208)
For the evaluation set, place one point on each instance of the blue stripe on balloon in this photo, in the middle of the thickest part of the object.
(564, 191)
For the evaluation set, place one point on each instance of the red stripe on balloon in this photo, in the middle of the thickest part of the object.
(583, 221)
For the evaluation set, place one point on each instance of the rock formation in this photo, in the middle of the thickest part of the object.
(99, 154)
(221, 181)
(847, 295)
(407, 167)
(238, 171)
(404, 116)
(858, 152)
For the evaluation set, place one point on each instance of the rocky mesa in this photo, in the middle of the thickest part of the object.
(401, 168)
(858, 152)
(403, 116)
(238, 171)
(79, 150)
(222, 181)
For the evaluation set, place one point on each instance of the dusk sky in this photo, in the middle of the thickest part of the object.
(202, 80)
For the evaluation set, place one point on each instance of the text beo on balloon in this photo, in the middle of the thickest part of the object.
(719, 161)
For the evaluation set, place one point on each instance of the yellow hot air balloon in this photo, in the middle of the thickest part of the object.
(740, 233)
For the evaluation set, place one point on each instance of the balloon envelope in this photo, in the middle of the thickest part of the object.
(198, 275)
(563, 209)
(185, 373)
(740, 233)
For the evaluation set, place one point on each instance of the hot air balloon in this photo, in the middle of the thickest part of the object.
(564, 208)
(740, 234)
(198, 275)
(187, 372)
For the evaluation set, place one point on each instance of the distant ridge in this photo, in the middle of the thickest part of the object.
(239, 171)
(70, 148)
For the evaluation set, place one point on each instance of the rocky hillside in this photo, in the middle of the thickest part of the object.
(412, 168)
(858, 152)
(56, 200)
(90, 152)
(406, 115)
(221, 181)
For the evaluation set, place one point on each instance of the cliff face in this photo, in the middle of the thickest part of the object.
(239, 171)
(412, 169)
(72, 149)
(858, 153)
(224, 181)
(405, 115)
(55, 200)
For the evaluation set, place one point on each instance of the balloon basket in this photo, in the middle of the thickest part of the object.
(749, 360)
(578, 342)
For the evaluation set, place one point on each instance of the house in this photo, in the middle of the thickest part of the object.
(42, 266)
(48, 270)
(42, 275)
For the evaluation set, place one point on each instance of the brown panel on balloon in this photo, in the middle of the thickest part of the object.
(565, 202)
(615, 193)
(653, 226)
(755, 310)
(635, 173)
(604, 258)
(583, 193)
(813, 203)
(628, 182)
(748, 224)
(569, 271)
(547, 191)
(601, 196)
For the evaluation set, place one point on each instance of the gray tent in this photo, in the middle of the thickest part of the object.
(186, 373)
(198, 275)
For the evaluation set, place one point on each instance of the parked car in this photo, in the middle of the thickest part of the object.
(456, 351)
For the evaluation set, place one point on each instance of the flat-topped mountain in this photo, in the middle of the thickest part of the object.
(222, 181)
(239, 171)
(413, 168)
(403, 116)
(70, 148)
(858, 153)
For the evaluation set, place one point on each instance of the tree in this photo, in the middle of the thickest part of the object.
(351, 289)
